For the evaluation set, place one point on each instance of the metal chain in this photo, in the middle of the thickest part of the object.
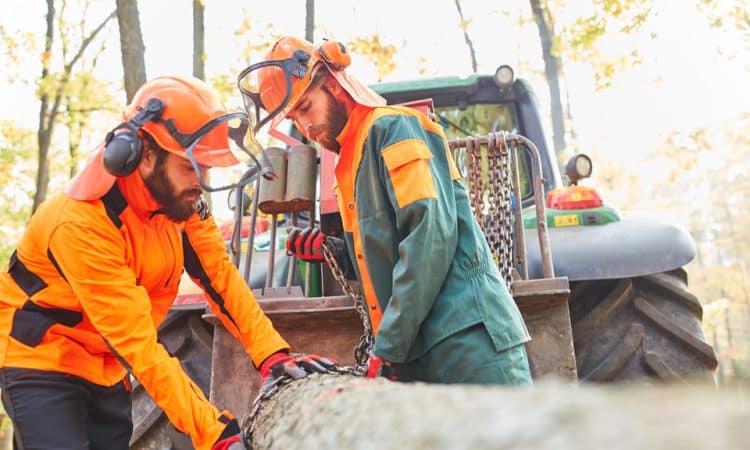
(476, 185)
(361, 351)
(264, 393)
(502, 219)
(490, 196)
(494, 208)
(249, 423)
(367, 340)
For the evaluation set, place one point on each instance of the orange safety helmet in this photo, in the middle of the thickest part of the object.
(183, 115)
(189, 104)
(287, 72)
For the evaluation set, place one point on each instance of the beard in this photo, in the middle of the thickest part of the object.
(175, 205)
(336, 119)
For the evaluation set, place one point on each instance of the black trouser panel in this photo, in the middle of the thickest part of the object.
(52, 410)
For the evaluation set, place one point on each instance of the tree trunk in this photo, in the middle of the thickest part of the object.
(310, 20)
(552, 65)
(131, 46)
(341, 412)
(199, 54)
(199, 43)
(469, 43)
(44, 132)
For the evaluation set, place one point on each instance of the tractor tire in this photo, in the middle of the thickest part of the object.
(189, 338)
(639, 328)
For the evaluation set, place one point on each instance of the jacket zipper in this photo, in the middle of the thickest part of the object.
(174, 258)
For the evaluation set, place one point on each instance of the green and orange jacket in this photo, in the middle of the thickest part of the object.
(91, 281)
(424, 265)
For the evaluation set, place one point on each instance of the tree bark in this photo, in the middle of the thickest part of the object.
(131, 46)
(469, 43)
(310, 20)
(44, 132)
(552, 65)
(199, 43)
(341, 412)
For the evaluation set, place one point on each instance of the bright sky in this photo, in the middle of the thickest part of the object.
(683, 82)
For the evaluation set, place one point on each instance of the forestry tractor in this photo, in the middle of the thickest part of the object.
(604, 296)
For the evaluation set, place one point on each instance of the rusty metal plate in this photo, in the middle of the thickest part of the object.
(326, 326)
(544, 306)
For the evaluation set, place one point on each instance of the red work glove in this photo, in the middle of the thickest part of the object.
(307, 244)
(234, 441)
(379, 367)
(282, 364)
(230, 443)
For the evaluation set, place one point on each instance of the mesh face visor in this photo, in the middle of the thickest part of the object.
(220, 143)
(278, 87)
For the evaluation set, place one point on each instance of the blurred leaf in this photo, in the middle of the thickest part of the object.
(381, 55)
(584, 39)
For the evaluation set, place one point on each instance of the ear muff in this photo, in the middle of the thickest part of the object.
(123, 147)
(335, 55)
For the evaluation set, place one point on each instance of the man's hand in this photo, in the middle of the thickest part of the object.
(234, 441)
(307, 244)
(282, 364)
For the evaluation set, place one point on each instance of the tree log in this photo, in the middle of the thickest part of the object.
(343, 412)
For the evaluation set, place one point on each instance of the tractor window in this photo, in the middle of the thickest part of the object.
(483, 119)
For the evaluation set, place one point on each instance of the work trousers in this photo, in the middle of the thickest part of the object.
(469, 356)
(52, 410)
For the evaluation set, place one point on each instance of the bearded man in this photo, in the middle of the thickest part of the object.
(98, 267)
(439, 310)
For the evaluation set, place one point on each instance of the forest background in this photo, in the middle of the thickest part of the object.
(655, 91)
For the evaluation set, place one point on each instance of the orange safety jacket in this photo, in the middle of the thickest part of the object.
(91, 281)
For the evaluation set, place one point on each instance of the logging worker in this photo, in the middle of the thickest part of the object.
(439, 309)
(98, 267)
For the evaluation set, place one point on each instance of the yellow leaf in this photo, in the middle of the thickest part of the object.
(46, 56)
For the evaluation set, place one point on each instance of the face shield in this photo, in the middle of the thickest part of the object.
(270, 88)
(221, 146)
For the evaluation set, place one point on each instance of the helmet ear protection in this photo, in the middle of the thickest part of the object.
(123, 147)
(335, 55)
